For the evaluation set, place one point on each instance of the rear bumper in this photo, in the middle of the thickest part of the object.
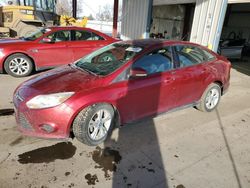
(1, 66)
(225, 88)
(1, 63)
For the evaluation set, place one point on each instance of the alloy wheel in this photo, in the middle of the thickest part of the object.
(212, 98)
(19, 66)
(99, 124)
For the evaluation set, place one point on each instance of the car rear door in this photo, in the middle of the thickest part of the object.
(55, 53)
(190, 73)
(84, 42)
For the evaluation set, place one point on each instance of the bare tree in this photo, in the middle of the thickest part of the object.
(90, 17)
(63, 7)
(105, 13)
(79, 8)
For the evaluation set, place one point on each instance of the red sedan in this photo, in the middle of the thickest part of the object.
(118, 84)
(48, 48)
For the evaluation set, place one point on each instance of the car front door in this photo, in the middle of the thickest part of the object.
(150, 94)
(55, 53)
(84, 42)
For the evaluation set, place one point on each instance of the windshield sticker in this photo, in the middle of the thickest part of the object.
(134, 49)
(188, 50)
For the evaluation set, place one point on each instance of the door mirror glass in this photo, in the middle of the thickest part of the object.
(138, 72)
(47, 40)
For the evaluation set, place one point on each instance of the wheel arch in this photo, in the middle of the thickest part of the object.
(13, 53)
(117, 119)
(218, 82)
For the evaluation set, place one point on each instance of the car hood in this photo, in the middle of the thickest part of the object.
(61, 79)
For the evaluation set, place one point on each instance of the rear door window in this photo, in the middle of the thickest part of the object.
(188, 55)
(86, 35)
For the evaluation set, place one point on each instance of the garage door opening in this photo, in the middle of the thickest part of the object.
(235, 37)
(173, 22)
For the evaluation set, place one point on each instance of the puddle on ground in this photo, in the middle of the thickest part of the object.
(17, 141)
(71, 185)
(67, 173)
(6, 112)
(107, 159)
(148, 169)
(180, 186)
(63, 150)
(92, 179)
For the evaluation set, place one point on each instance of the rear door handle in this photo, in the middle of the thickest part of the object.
(203, 71)
(168, 80)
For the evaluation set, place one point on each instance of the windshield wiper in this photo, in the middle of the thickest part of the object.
(82, 68)
(27, 38)
(88, 71)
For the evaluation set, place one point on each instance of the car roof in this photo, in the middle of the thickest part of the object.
(149, 43)
(57, 28)
(69, 27)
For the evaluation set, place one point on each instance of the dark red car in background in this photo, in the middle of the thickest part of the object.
(118, 84)
(48, 48)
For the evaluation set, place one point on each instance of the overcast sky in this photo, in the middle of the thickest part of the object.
(88, 6)
(92, 6)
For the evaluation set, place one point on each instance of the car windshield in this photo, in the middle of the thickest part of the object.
(37, 34)
(108, 59)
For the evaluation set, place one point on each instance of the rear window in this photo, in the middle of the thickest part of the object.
(208, 55)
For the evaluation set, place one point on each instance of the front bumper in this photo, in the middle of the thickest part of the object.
(46, 123)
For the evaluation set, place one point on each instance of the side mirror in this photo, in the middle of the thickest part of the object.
(138, 72)
(47, 40)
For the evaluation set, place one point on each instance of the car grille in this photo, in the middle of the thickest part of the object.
(25, 123)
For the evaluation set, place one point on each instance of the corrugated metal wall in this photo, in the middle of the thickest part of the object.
(208, 22)
(134, 19)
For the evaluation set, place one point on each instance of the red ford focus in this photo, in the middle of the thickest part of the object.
(48, 48)
(118, 84)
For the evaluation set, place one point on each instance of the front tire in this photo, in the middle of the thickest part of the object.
(93, 124)
(18, 65)
(210, 98)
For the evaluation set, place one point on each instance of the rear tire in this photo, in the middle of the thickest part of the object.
(93, 124)
(18, 65)
(210, 98)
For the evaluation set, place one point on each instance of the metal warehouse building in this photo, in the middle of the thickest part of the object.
(200, 21)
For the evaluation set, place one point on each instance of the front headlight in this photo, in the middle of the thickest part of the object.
(47, 101)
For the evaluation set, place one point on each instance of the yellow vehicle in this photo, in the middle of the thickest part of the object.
(22, 17)
(70, 21)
